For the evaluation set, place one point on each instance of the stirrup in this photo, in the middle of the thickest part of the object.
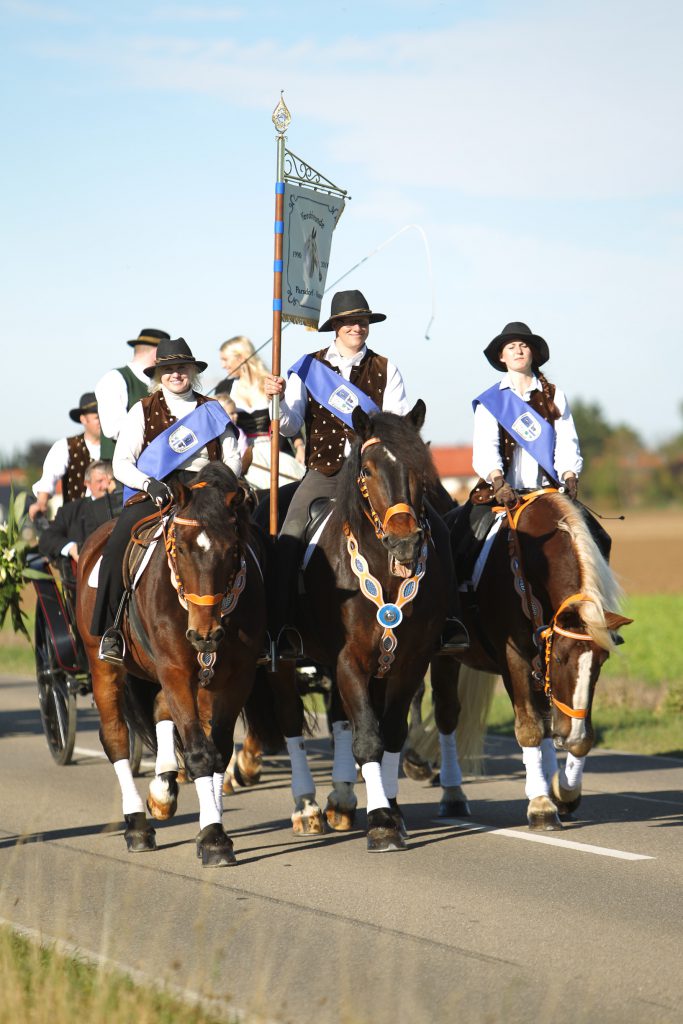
(112, 646)
(289, 645)
(454, 638)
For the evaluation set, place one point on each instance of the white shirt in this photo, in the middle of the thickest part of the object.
(524, 471)
(111, 392)
(56, 461)
(131, 440)
(293, 405)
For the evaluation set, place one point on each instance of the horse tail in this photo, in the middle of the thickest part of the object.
(260, 714)
(139, 696)
(475, 691)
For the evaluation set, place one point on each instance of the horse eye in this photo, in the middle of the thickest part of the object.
(366, 471)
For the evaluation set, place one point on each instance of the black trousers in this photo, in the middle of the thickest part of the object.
(110, 579)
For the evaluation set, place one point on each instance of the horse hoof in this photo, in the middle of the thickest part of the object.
(338, 819)
(162, 800)
(566, 800)
(139, 835)
(454, 809)
(544, 821)
(244, 778)
(308, 826)
(416, 768)
(382, 840)
(214, 847)
(398, 819)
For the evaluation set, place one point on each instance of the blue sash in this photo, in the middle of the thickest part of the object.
(337, 395)
(175, 445)
(523, 424)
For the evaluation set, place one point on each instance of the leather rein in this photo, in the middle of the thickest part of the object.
(543, 634)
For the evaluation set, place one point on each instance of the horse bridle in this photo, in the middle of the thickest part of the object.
(543, 634)
(401, 508)
(203, 600)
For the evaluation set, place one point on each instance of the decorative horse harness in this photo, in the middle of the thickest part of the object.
(543, 634)
(389, 614)
(227, 599)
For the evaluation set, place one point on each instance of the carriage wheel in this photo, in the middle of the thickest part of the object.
(57, 701)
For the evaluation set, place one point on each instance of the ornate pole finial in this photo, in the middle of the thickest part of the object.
(281, 116)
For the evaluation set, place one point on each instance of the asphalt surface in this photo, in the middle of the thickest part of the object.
(479, 921)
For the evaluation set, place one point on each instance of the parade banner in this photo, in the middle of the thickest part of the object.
(310, 218)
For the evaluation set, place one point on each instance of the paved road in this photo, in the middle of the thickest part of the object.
(480, 922)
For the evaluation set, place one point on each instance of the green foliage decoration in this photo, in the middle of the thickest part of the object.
(14, 571)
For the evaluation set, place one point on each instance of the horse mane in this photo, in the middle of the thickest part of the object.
(207, 504)
(597, 579)
(401, 435)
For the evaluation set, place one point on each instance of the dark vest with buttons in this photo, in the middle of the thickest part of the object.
(325, 434)
(73, 481)
(136, 390)
(158, 417)
(482, 493)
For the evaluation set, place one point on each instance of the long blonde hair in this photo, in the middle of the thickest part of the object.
(252, 366)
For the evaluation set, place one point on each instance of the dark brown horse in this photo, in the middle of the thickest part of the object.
(194, 629)
(375, 601)
(540, 617)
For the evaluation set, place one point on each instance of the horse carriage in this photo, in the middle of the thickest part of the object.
(62, 670)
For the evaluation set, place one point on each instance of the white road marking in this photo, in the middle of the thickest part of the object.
(532, 837)
(87, 752)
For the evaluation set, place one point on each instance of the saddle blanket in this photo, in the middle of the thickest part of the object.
(483, 555)
(93, 578)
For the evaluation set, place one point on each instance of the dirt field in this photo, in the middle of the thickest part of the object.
(647, 551)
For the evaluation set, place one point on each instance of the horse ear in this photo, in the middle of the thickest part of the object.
(615, 621)
(417, 414)
(231, 497)
(361, 423)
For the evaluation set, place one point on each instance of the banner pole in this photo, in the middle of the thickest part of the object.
(281, 119)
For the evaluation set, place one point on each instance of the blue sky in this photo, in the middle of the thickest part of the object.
(538, 145)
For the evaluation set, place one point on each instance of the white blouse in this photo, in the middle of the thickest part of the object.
(56, 461)
(524, 471)
(293, 405)
(131, 440)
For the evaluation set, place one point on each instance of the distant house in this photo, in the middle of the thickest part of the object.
(10, 478)
(454, 466)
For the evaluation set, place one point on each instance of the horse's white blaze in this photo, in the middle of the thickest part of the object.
(390, 455)
(203, 541)
(581, 694)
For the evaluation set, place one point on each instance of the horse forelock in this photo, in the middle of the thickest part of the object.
(596, 578)
(207, 504)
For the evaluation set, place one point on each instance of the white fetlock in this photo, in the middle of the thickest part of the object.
(307, 818)
(167, 760)
(561, 793)
(548, 757)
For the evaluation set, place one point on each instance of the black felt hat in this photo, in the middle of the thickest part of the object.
(517, 331)
(149, 336)
(173, 353)
(88, 404)
(352, 303)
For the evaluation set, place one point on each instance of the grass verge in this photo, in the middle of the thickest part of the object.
(40, 984)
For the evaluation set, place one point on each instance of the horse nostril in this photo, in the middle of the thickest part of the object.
(217, 634)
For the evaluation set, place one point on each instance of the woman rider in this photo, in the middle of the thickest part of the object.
(328, 438)
(172, 398)
(502, 455)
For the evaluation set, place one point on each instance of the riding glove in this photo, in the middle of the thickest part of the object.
(158, 491)
(571, 485)
(505, 494)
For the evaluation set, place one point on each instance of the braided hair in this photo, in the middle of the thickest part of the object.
(548, 391)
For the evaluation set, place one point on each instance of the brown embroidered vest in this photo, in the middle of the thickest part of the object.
(158, 417)
(73, 481)
(325, 434)
(481, 493)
